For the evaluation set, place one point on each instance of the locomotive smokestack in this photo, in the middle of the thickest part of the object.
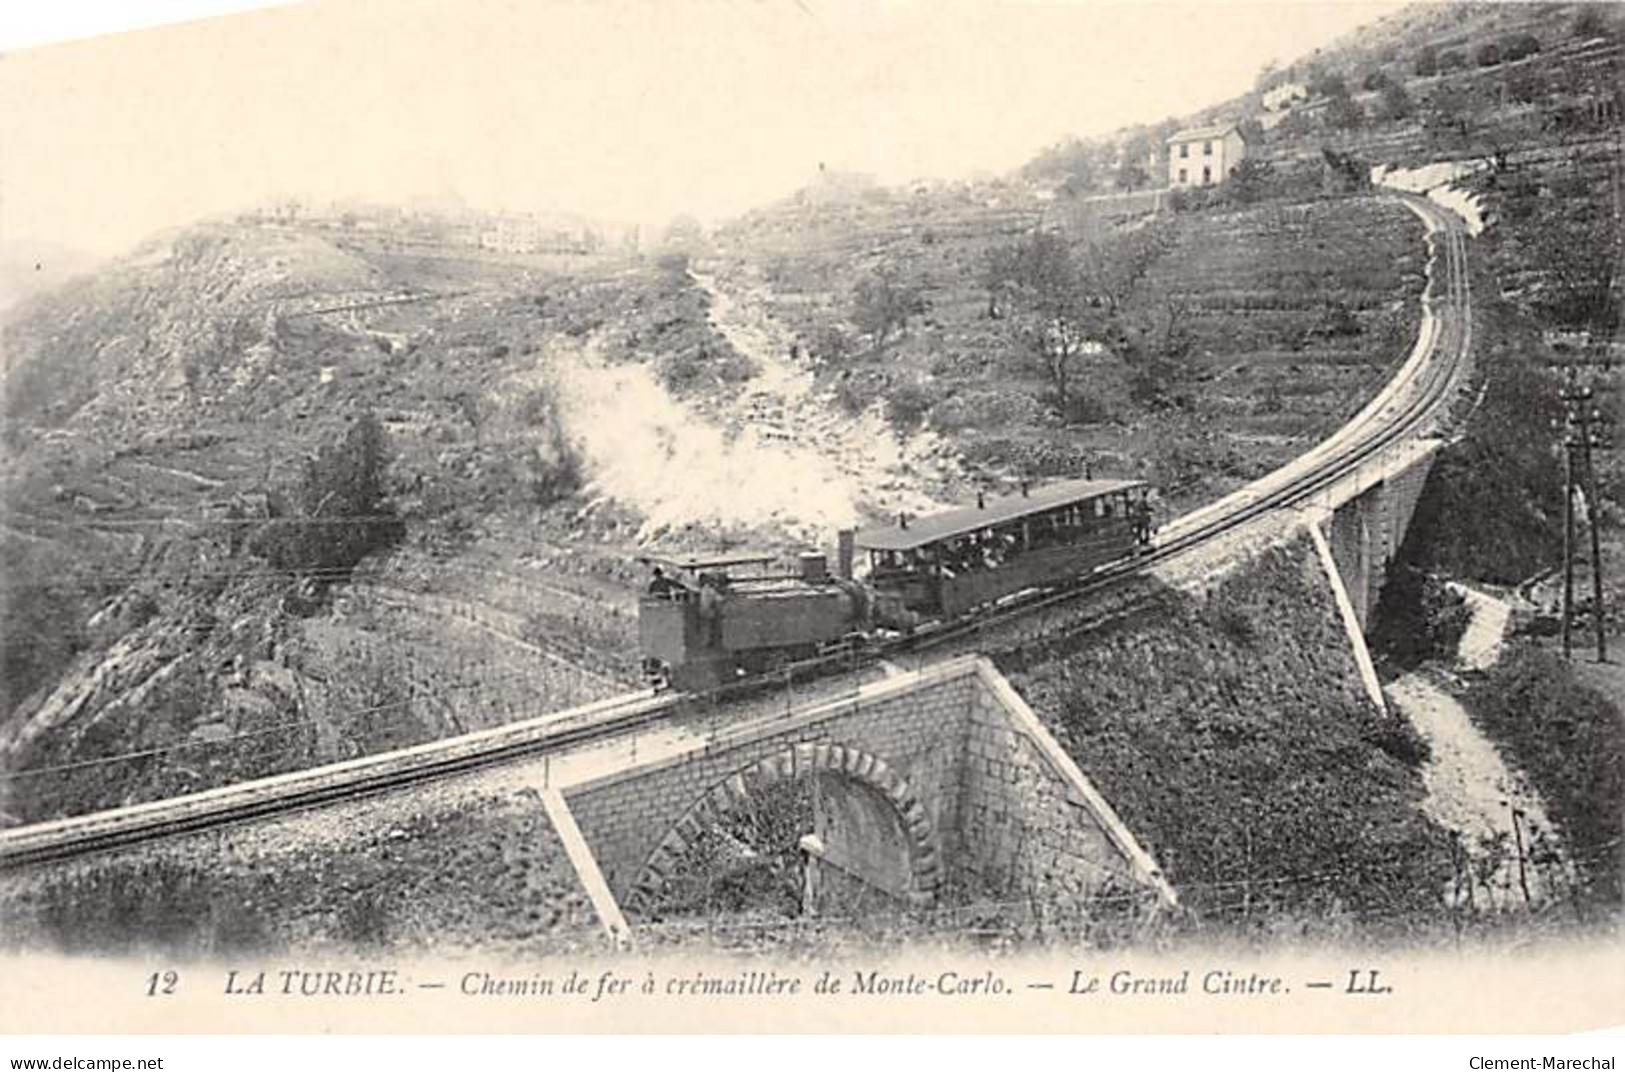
(844, 551)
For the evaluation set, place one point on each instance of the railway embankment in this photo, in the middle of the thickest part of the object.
(1536, 734)
(446, 865)
(1231, 733)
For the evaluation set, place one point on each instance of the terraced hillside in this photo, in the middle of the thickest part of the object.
(164, 419)
(1284, 317)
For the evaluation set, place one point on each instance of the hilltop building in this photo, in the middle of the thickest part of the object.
(1285, 96)
(1203, 156)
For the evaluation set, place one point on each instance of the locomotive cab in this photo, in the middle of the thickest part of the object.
(706, 621)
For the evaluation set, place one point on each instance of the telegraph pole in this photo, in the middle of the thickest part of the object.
(1591, 432)
(1584, 432)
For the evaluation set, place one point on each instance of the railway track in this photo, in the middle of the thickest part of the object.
(1411, 403)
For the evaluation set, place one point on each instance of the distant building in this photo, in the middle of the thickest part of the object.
(541, 232)
(1203, 156)
(1285, 96)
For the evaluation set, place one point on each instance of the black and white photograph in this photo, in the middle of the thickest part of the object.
(815, 516)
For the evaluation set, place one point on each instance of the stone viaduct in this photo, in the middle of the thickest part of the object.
(937, 787)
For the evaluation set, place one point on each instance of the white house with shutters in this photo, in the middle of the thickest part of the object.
(1204, 156)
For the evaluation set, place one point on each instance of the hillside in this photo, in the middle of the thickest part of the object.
(284, 494)
(1239, 336)
(164, 419)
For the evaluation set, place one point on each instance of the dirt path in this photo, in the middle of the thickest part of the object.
(1501, 820)
(774, 462)
(1473, 792)
(887, 472)
(1480, 646)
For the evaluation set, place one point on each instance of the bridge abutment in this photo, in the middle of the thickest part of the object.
(938, 787)
(1367, 526)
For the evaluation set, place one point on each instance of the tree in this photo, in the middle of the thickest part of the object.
(1071, 165)
(1329, 84)
(1345, 113)
(1157, 350)
(1517, 46)
(1427, 62)
(1588, 22)
(1488, 54)
(1396, 102)
(684, 236)
(1050, 308)
(1109, 263)
(342, 510)
(882, 304)
(1248, 182)
(1450, 109)
(1131, 175)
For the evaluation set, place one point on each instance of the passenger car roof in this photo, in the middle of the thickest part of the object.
(934, 528)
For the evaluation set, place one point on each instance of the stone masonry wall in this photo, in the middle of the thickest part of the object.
(1010, 822)
(1025, 833)
(1366, 532)
(919, 733)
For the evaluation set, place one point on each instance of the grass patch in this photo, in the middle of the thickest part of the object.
(1569, 740)
(1232, 740)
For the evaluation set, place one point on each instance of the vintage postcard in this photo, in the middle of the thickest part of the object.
(815, 516)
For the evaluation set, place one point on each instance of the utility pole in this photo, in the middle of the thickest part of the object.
(1571, 399)
(1584, 432)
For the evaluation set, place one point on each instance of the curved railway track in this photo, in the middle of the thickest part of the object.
(1411, 404)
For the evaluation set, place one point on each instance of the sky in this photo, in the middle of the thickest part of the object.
(628, 110)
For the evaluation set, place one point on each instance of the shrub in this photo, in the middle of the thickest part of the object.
(908, 402)
(1082, 407)
(1525, 87)
(1417, 616)
(1488, 54)
(672, 264)
(1396, 102)
(1565, 737)
(1336, 321)
(1250, 181)
(1402, 741)
(830, 345)
(857, 391)
(1518, 46)
(1345, 113)
(1588, 22)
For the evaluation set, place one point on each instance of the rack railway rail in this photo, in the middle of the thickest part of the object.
(1412, 403)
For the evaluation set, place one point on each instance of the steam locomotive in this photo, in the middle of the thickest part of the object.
(707, 621)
